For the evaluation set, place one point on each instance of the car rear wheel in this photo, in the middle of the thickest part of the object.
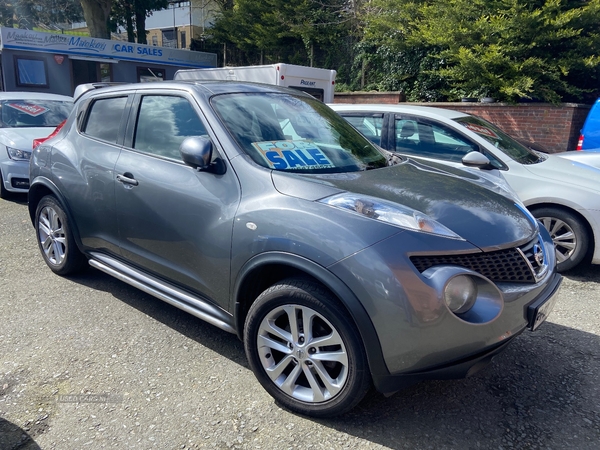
(305, 350)
(55, 238)
(570, 236)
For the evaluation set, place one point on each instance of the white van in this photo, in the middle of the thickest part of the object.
(320, 83)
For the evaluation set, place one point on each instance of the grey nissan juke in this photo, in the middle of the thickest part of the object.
(258, 209)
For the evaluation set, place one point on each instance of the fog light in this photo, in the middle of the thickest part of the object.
(460, 294)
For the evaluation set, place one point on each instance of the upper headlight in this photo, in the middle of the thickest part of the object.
(18, 155)
(389, 212)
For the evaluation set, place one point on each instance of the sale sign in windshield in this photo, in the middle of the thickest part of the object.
(293, 155)
(28, 108)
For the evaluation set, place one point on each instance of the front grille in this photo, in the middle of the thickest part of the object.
(513, 265)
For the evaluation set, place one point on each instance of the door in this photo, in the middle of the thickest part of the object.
(174, 221)
(89, 172)
(84, 72)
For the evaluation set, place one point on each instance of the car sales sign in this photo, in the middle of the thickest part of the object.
(293, 155)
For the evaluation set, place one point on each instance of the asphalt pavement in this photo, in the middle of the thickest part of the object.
(90, 362)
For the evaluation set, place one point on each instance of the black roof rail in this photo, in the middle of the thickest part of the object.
(86, 87)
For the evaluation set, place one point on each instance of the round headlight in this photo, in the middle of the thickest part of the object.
(460, 294)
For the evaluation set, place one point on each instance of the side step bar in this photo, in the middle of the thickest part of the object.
(170, 294)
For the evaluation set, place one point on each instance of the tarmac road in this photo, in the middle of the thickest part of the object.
(90, 362)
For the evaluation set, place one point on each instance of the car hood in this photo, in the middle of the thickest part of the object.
(22, 138)
(455, 198)
(571, 172)
(589, 158)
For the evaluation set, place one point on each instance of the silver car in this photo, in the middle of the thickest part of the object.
(261, 211)
(25, 116)
(563, 194)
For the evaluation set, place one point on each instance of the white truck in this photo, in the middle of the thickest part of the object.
(320, 83)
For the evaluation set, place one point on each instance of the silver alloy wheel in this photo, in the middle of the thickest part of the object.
(563, 236)
(302, 353)
(52, 235)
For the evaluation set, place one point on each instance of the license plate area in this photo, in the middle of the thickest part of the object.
(539, 311)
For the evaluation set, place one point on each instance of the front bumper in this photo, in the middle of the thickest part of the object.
(470, 364)
(418, 336)
(15, 175)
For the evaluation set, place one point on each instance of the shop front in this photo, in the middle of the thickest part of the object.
(57, 63)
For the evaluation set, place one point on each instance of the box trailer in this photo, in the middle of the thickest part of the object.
(319, 83)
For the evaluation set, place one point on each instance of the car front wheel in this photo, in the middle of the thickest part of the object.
(55, 238)
(570, 236)
(305, 350)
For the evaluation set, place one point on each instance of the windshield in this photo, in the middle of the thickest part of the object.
(500, 140)
(33, 113)
(290, 133)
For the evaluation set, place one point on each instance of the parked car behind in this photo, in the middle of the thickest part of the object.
(261, 211)
(589, 139)
(25, 116)
(563, 194)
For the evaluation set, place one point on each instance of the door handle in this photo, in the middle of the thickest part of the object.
(127, 178)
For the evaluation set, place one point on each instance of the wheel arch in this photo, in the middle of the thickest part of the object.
(40, 187)
(266, 269)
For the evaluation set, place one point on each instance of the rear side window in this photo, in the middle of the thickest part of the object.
(163, 124)
(369, 125)
(104, 119)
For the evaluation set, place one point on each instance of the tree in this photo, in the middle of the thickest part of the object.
(132, 15)
(508, 49)
(121, 15)
(6, 14)
(143, 9)
(97, 13)
(27, 13)
(307, 32)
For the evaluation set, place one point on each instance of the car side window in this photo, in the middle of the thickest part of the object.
(420, 138)
(104, 118)
(163, 123)
(370, 126)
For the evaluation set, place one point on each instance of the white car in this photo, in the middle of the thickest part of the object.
(584, 157)
(25, 116)
(562, 193)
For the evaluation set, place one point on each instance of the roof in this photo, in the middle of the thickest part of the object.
(19, 95)
(208, 87)
(406, 109)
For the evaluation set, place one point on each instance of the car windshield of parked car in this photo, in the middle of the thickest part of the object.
(500, 140)
(33, 113)
(294, 133)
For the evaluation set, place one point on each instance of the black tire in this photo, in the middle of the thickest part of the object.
(55, 238)
(318, 386)
(570, 235)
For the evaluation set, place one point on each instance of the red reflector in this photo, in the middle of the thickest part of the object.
(282, 77)
(39, 141)
(580, 142)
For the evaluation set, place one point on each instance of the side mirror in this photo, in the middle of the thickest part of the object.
(476, 159)
(196, 151)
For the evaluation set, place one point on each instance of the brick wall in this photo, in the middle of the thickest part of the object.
(555, 127)
(369, 97)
